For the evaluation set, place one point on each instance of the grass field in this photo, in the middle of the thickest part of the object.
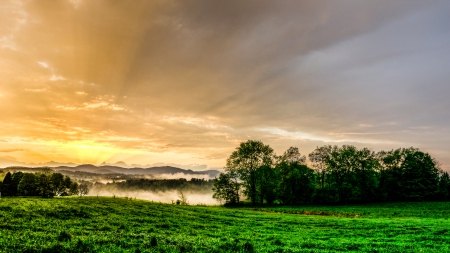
(92, 224)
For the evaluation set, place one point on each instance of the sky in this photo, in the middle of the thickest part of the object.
(184, 82)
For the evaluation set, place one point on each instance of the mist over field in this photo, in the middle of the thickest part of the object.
(164, 188)
(193, 198)
(179, 175)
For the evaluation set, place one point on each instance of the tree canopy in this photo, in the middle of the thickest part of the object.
(333, 174)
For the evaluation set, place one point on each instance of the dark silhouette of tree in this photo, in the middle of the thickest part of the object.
(444, 186)
(83, 188)
(297, 181)
(59, 184)
(7, 185)
(44, 185)
(366, 168)
(245, 161)
(421, 175)
(28, 185)
(319, 161)
(391, 174)
(408, 174)
(15, 180)
(73, 188)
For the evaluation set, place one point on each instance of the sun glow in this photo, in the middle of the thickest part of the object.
(93, 153)
(82, 152)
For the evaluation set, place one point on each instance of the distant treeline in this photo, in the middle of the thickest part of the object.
(44, 183)
(336, 175)
(155, 185)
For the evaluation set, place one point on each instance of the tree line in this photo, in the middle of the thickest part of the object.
(45, 183)
(333, 175)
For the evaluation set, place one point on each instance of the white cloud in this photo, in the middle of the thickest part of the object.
(43, 64)
(57, 78)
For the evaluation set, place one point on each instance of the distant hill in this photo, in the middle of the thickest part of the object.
(108, 169)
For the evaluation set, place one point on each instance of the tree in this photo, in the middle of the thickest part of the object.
(73, 188)
(15, 180)
(444, 186)
(319, 161)
(365, 170)
(421, 175)
(408, 174)
(297, 180)
(6, 186)
(346, 170)
(297, 186)
(44, 185)
(59, 184)
(28, 185)
(245, 161)
(83, 188)
(292, 155)
(226, 188)
(266, 184)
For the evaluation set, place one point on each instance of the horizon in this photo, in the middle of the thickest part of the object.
(184, 83)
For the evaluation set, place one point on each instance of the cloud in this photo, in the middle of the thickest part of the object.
(197, 77)
(10, 150)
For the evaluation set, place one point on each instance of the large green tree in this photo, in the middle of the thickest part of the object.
(266, 184)
(319, 160)
(246, 160)
(297, 181)
(408, 174)
(226, 188)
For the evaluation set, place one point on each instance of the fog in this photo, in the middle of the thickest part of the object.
(178, 176)
(193, 198)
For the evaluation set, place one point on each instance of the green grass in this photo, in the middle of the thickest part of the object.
(92, 224)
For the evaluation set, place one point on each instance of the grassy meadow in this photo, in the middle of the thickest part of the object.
(100, 224)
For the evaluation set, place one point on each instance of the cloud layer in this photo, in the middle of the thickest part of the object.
(185, 81)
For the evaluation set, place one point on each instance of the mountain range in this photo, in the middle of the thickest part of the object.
(109, 169)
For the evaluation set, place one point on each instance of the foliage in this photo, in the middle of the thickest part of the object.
(246, 160)
(297, 183)
(226, 188)
(28, 185)
(73, 188)
(266, 184)
(339, 175)
(83, 188)
(15, 180)
(45, 183)
(7, 185)
(183, 200)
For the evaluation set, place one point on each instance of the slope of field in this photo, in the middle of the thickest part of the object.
(92, 224)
